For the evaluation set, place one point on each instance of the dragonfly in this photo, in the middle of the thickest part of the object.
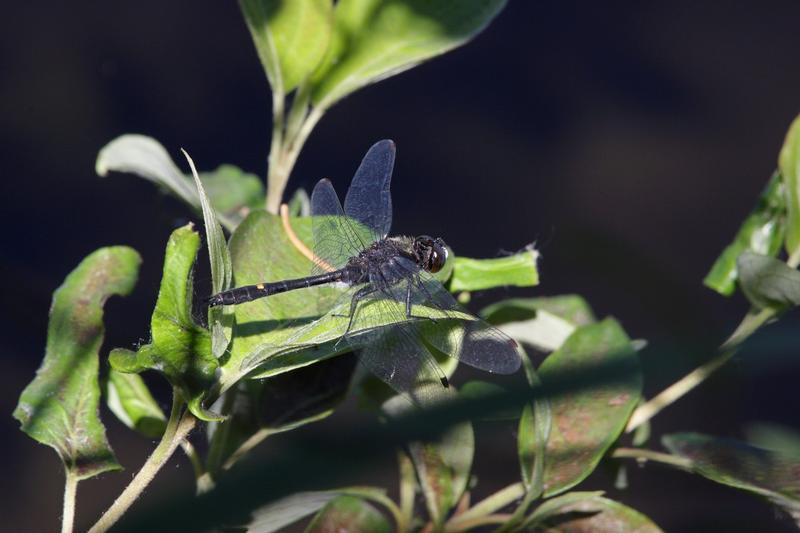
(393, 276)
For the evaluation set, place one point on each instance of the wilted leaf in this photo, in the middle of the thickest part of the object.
(180, 349)
(231, 191)
(761, 232)
(291, 37)
(375, 39)
(740, 465)
(351, 514)
(576, 512)
(586, 422)
(130, 400)
(789, 167)
(518, 270)
(60, 406)
(768, 282)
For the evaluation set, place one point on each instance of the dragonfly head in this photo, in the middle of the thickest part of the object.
(431, 253)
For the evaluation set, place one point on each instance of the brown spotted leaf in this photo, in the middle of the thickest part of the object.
(60, 406)
(587, 420)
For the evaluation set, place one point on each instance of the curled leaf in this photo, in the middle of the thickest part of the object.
(60, 406)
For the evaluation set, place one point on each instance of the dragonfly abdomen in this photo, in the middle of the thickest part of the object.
(248, 293)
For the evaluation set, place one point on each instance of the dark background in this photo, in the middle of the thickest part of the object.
(628, 139)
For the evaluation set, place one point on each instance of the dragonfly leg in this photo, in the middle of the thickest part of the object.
(357, 297)
(408, 302)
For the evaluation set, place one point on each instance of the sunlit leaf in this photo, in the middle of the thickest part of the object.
(232, 192)
(60, 406)
(518, 270)
(179, 349)
(586, 422)
(130, 400)
(768, 282)
(219, 318)
(376, 39)
(789, 167)
(291, 37)
(544, 323)
(740, 465)
(588, 511)
(349, 513)
(761, 232)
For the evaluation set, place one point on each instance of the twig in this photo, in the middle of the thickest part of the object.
(751, 322)
(178, 427)
(650, 455)
(297, 243)
(70, 488)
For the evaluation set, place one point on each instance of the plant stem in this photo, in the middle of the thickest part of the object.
(284, 152)
(650, 455)
(178, 427)
(408, 486)
(488, 505)
(276, 181)
(465, 525)
(751, 322)
(70, 488)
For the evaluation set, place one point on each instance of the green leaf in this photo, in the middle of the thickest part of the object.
(761, 232)
(586, 422)
(533, 433)
(478, 389)
(588, 511)
(518, 270)
(789, 167)
(220, 318)
(375, 39)
(130, 400)
(59, 407)
(544, 323)
(291, 37)
(180, 349)
(443, 465)
(740, 465)
(768, 282)
(232, 192)
(349, 513)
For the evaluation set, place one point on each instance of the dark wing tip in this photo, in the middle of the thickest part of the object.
(445, 382)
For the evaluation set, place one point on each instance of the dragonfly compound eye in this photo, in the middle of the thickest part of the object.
(438, 256)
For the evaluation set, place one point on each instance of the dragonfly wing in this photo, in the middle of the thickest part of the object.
(335, 238)
(368, 199)
(475, 342)
(395, 355)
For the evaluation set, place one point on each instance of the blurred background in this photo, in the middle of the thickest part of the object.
(627, 139)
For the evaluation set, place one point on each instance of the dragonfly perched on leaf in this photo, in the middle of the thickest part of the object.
(393, 277)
